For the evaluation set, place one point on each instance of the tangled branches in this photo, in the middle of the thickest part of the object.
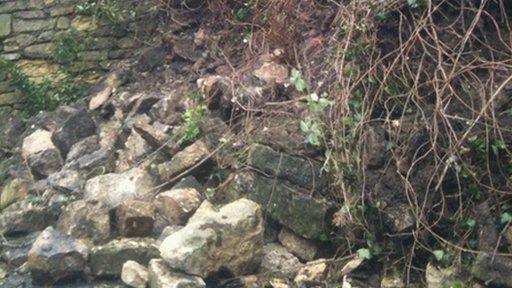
(436, 80)
(420, 116)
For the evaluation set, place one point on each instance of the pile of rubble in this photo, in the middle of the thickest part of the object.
(101, 191)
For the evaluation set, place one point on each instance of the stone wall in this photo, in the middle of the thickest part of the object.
(29, 33)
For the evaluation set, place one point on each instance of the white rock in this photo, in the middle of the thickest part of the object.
(36, 142)
(112, 189)
(160, 276)
(279, 261)
(40, 154)
(134, 274)
(231, 238)
(204, 211)
(177, 205)
(56, 257)
(312, 272)
(303, 248)
(438, 277)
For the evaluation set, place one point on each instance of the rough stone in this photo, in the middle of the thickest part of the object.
(10, 56)
(168, 231)
(14, 190)
(33, 14)
(11, 6)
(399, 217)
(299, 171)
(113, 189)
(101, 160)
(63, 23)
(83, 147)
(155, 138)
(293, 208)
(183, 160)
(78, 126)
(24, 217)
(374, 147)
(45, 163)
(102, 90)
(185, 48)
(108, 260)
(40, 140)
(135, 149)
(303, 248)
(134, 274)
(21, 40)
(167, 109)
(55, 257)
(46, 36)
(279, 261)
(203, 212)
(93, 55)
(230, 239)
(439, 277)
(312, 273)
(151, 57)
(493, 269)
(15, 250)
(272, 72)
(109, 134)
(179, 203)
(66, 181)
(23, 25)
(37, 70)
(41, 155)
(84, 220)
(61, 10)
(11, 47)
(392, 281)
(135, 218)
(5, 25)
(39, 51)
(84, 23)
(160, 276)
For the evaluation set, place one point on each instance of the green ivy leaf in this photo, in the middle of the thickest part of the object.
(304, 126)
(471, 223)
(295, 73)
(412, 3)
(300, 85)
(439, 254)
(506, 218)
(364, 253)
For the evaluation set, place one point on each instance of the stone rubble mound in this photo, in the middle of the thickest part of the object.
(103, 192)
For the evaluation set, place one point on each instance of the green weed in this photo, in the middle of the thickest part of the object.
(192, 120)
(41, 96)
(111, 11)
(67, 46)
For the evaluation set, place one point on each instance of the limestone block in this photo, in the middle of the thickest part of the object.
(10, 56)
(39, 51)
(24, 25)
(63, 22)
(93, 55)
(61, 10)
(33, 14)
(5, 25)
(84, 23)
(38, 69)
